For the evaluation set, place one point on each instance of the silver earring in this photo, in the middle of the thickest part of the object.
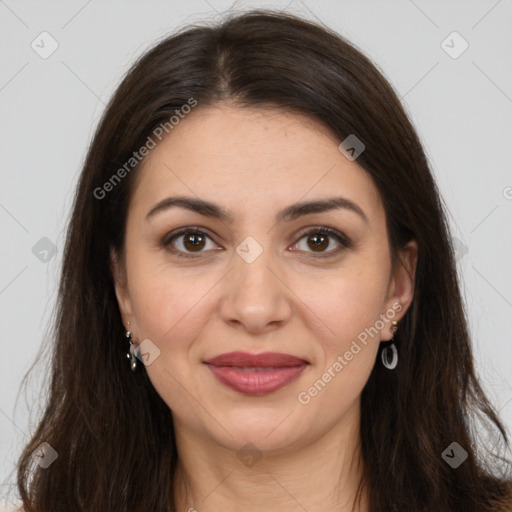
(131, 354)
(390, 364)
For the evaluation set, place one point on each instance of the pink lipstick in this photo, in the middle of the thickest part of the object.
(256, 374)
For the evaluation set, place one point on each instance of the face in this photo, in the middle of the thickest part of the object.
(266, 277)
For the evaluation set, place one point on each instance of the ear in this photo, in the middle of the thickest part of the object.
(401, 288)
(118, 272)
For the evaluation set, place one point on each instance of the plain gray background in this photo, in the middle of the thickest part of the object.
(49, 108)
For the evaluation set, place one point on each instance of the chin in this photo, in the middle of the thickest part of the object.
(269, 430)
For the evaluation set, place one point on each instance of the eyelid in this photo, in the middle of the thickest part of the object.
(342, 239)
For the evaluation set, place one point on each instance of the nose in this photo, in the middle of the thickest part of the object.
(256, 296)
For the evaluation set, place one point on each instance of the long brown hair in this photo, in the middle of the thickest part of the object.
(112, 431)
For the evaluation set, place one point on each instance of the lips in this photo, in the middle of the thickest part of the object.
(256, 374)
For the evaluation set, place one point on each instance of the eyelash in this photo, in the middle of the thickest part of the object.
(339, 237)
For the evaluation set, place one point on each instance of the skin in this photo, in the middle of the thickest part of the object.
(290, 299)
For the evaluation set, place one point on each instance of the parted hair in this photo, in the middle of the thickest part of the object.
(112, 431)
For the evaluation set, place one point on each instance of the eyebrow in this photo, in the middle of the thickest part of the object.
(292, 212)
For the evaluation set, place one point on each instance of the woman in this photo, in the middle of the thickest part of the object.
(259, 304)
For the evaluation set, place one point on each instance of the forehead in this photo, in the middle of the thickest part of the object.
(252, 158)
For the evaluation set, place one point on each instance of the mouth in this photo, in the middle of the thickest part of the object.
(256, 374)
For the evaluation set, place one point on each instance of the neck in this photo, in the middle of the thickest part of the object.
(319, 475)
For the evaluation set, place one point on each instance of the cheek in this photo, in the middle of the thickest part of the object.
(171, 312)
(174, 308)
(347, 349)
(350, 311)
(348, 301)
(168, 310)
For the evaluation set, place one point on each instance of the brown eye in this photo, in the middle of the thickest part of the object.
(319, 240)
(186, 242)
(194, 241)
(190, 240)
